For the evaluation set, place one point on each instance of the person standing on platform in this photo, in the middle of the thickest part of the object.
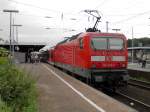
(26, 57)
(139, 56)
(144, 58)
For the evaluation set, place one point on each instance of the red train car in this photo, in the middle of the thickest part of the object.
(98, 57)
(51, 56)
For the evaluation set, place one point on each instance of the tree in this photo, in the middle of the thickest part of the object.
(145, 41)
(1, 39)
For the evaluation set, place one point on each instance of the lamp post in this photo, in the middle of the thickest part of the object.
(1, 39)
(116, 29)
(17, 42)
(10, 34)
(107, 26)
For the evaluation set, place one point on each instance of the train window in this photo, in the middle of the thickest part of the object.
(99, 43)
(116, 43)
(81, 43)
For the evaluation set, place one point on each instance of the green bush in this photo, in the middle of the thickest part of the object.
(3, 60)
(17, 89)
(4, 107)
(3, 52)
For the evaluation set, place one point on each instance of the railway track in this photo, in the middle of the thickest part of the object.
(130, 96)
(139, 83)
(137, 104)
(127, 99)
(133, 99)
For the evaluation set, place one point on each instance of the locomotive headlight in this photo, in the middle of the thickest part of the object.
(97, 58)
(118, 58)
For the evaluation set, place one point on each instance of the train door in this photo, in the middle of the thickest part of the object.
(108, 55)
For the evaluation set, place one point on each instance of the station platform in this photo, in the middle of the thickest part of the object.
(135, 70)
(136, 66)
(59, 92)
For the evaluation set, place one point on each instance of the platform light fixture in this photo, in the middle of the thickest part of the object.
(116, 29)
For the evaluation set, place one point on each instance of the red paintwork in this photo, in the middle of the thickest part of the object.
(70, 52)
(51, 55)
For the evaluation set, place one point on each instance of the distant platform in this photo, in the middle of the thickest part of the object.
(136, 66)
(135, 70)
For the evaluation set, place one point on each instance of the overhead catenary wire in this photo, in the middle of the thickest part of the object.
(38, 7)
(129, 16)
(34, 6)
(132, 17)
(45, 9)
(101, 3)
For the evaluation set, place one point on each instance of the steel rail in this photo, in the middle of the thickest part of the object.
(138, 83)
(137, 101)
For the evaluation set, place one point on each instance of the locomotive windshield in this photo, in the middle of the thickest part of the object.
(96, 43)
(115, 43)
(101, 43)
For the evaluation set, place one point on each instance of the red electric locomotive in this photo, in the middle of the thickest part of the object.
(96, 56)
(100, 57)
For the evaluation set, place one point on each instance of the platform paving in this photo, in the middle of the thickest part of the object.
(59, 92)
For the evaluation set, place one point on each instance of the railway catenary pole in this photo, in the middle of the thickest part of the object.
(10, 33)
(13, 41)
(132, 44)
(17, 25)
(17, 40)
(107, 26)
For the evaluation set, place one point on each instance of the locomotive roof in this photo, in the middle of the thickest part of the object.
(69, 38)
(102, 34)
(88, 33)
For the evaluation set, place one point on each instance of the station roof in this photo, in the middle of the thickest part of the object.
(138, 48)
(25, 43)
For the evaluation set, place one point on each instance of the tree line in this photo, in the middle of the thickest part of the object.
(139, 42)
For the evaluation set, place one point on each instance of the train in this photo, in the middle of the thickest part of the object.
(97, 57)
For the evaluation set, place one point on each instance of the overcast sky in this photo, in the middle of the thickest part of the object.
(122, 14)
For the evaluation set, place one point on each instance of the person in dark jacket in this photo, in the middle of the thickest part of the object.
(144, 58)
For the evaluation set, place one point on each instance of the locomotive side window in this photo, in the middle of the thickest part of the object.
(99, 43)
(116, 43)
(81, 43)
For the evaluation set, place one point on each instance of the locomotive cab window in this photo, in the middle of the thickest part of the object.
(104, 43)
(81, 43)
(116, 43)
(98, 43)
